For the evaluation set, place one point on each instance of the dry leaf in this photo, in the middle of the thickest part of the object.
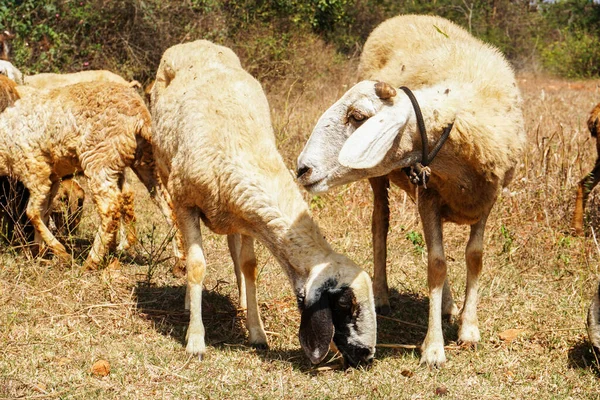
(510, 334)
(441, 391)
(406, 373)
(101, 368)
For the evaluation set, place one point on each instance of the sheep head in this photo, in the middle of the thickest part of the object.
(354, 138)
(338, 305)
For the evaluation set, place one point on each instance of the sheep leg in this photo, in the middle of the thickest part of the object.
(585, 186)
(234, 243)
(379, 229)
(39, 196)
(256, 330)
(127, 232)
(189, 224)
(432, 350)
(106, 196)
(468, 333)
(147, 174)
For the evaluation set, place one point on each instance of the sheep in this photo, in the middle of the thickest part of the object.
(5, 37)
(593, 320)
(404, 62)
(10, 71)
(371, 132)
(216, 153)
(98, 128)
(589, 181)
(52, 80)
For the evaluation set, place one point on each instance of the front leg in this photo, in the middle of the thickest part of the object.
(432, 350)
(256, 330)
(189, 223)
(39, 198)
(379, 229)
(468, 333)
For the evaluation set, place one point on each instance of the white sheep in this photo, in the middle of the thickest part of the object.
(215, 149)
(97, 128)
(372, 132)
(12, 72)
(50, 80)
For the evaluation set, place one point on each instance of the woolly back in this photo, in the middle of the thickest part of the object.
(8, 92)
(421, 51)
(208, 111)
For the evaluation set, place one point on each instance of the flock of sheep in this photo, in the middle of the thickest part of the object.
(205, 150)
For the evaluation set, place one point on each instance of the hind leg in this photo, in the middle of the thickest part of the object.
(469, 329)
(106, 196)
(234, 242)
(256, 330)
(189, 223)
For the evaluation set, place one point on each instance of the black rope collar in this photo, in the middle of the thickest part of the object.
(419, 172)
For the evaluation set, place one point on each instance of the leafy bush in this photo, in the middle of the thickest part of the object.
(576, 56)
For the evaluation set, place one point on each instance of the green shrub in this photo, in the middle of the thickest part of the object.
(576, 56)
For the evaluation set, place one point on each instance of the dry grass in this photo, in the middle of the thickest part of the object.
(56, 321)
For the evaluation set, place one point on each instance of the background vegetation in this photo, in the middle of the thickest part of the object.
(129, 36)
(57, 322)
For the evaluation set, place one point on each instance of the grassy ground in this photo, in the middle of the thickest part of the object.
(56, 321)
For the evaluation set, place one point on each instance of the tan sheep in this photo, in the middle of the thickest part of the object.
(216, 151)
(97, 128)
(415, 51)
(588, 182)
(466, 88)
(52, 80)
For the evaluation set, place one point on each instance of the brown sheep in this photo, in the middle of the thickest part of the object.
(589, 181)
(96, 128)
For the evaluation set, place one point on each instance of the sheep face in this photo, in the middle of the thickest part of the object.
(353, 138)
(338, 305)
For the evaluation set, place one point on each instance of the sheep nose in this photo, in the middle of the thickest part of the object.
(303, 170)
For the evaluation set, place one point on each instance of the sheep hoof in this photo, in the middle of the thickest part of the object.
(260, 346)
(384, 309)
(195, 344)
(433, 356)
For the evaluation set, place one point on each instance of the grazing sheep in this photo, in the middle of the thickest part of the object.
(372, 132)
(216, 152)
(51, 80)
(98, 128)
(589, 182)
(9, 70)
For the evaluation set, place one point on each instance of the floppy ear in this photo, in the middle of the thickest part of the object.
(316, 329)
(369, 144)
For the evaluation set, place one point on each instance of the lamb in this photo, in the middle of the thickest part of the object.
(52, 80)
(467, 90)
(215, 150)
(589, 182)
(98, 128)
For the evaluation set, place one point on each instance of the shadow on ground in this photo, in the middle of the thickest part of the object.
(407, 325)
(225, 324)
(583, 356)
